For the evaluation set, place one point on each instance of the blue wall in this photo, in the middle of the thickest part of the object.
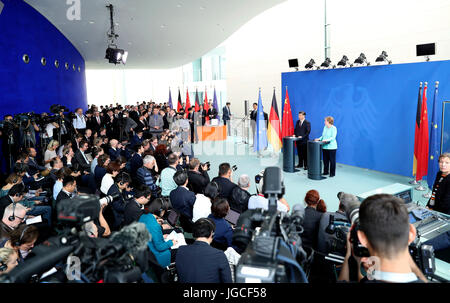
(374, 109)
(34, 87)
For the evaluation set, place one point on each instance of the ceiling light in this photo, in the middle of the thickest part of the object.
(310, 64)
(383, 58)
(362, 59)
(91, 22)
(327, 63)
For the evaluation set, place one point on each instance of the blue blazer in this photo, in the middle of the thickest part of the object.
(136, 162)
(99, 173)
(201, 263)
(114, 154)
(223, 233)
(135, 140)
(225, 113)
(157, 245)
(183, 200)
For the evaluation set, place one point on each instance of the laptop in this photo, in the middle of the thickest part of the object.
(232, 217)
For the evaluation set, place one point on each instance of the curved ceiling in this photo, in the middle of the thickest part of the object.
(158, 34)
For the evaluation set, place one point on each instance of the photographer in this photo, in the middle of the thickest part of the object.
(384, 229)
(240, 195)
(120, 188)
(27, 130)
(259, 201)
(198, 178)
(225, 181)
(9, 141)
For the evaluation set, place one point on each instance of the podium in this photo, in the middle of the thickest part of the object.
(314, 160)
(289, 154)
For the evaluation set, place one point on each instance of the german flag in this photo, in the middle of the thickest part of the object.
(179, 106)
(274, 129)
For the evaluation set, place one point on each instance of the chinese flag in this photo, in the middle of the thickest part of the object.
(422, 157)
(206, 106)
(188, 103)
(287, 128)
(416, 136)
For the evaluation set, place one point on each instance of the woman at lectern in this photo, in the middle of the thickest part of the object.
(329, 148)
(440, 197)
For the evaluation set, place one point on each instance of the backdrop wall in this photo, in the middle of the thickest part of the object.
(374, 109)
(33, 86)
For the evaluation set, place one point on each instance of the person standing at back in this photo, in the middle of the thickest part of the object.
(302, 130)
(226, 116)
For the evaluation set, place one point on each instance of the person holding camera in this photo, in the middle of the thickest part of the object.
(385, 231)
(259, 201)
(199, 262)
(121, 188)
(198, 176)
(225, 180)
(240, 195)
(116, 149)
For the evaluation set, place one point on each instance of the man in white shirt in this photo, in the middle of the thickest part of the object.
(259, 201)
(79, 123)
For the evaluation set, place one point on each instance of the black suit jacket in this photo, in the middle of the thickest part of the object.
(197, 181)
(442, 196)
(132, 212)
(201, 263)
(303, 131)
(5, 201)
(183, 200)
(83, 165)
(212, 113)
(225, 187)
(62, 196)
(311, 225)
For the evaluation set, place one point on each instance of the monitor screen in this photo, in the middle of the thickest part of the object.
(405, 196)
(412, 219)
(426, 49)
(232, 217)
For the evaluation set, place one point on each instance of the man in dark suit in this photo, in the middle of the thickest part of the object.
(33, 166)
(212, 113)
(96, 122)
(302, 130)
(191, 118)
(69, 186)
(135, 208)
(197, 180)
(199, 262)
(138, 138)
(182, 198)
(81, 159)
(224, 182)
(226, 115)
(136, 161)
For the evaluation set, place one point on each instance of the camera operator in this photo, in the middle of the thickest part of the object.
(259, 201)
(198, 176)
(27, 130)
(9, 141)
(384, 229)
(325, 237)
(48, 132)
(79, 122)
(122, 189)
(225, 181)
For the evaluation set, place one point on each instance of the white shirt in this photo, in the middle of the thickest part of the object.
(49, 154)
(79, 122)
(260, 202)
(107, 182)
(48, 131)
(202, 207)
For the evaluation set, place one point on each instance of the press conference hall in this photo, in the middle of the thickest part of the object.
(174, 143)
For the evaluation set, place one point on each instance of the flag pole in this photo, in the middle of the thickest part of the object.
(428, 194)
(421, 187)
(413, 181)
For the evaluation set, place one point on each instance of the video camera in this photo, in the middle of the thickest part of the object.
(208, 165)
(122, 258)
(270, 240)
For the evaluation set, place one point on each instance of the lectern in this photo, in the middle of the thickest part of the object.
(288, 154)
(314, 160)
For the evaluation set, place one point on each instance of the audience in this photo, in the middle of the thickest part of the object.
(182, 198)
(199, 262)
(203, 202)
(135, 208)
(259, 201)
(112, 170)
(13, 215)
(198, 177)
(224, 232)
(167, 182)
(144, 175)
(312, 218)
(69, 187)
(22, 240)
(240, 195)
(9, 259)
(120, 188)
(224, 181)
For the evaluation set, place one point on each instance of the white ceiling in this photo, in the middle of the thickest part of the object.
(158, 34)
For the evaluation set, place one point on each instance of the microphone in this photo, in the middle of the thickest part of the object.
(133, 237)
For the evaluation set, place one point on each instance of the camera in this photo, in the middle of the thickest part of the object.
(56, 109)
(234, 168)
(108, 199)
(424, 257)
(270, 240)
(208, 165)
(352, 211)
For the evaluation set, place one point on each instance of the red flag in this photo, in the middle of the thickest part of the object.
(197, 105)
(287, 129)
(416, 136)
(206, 105)
(422, 157)
(188, 103)
(179, 106)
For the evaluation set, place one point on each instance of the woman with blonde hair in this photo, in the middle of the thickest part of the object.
(328, 137)
(8, 260)
(50, 153)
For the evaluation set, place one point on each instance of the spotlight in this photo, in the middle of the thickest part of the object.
(383, 58)
(327, 63)
(362, 59)
(344, 62)
(114, 54)
(311, 64)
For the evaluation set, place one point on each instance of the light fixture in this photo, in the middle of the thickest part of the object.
(362, 59)
(113, 53)
(383, 58)
(327, 63)
(344, 62)
(311, 64)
